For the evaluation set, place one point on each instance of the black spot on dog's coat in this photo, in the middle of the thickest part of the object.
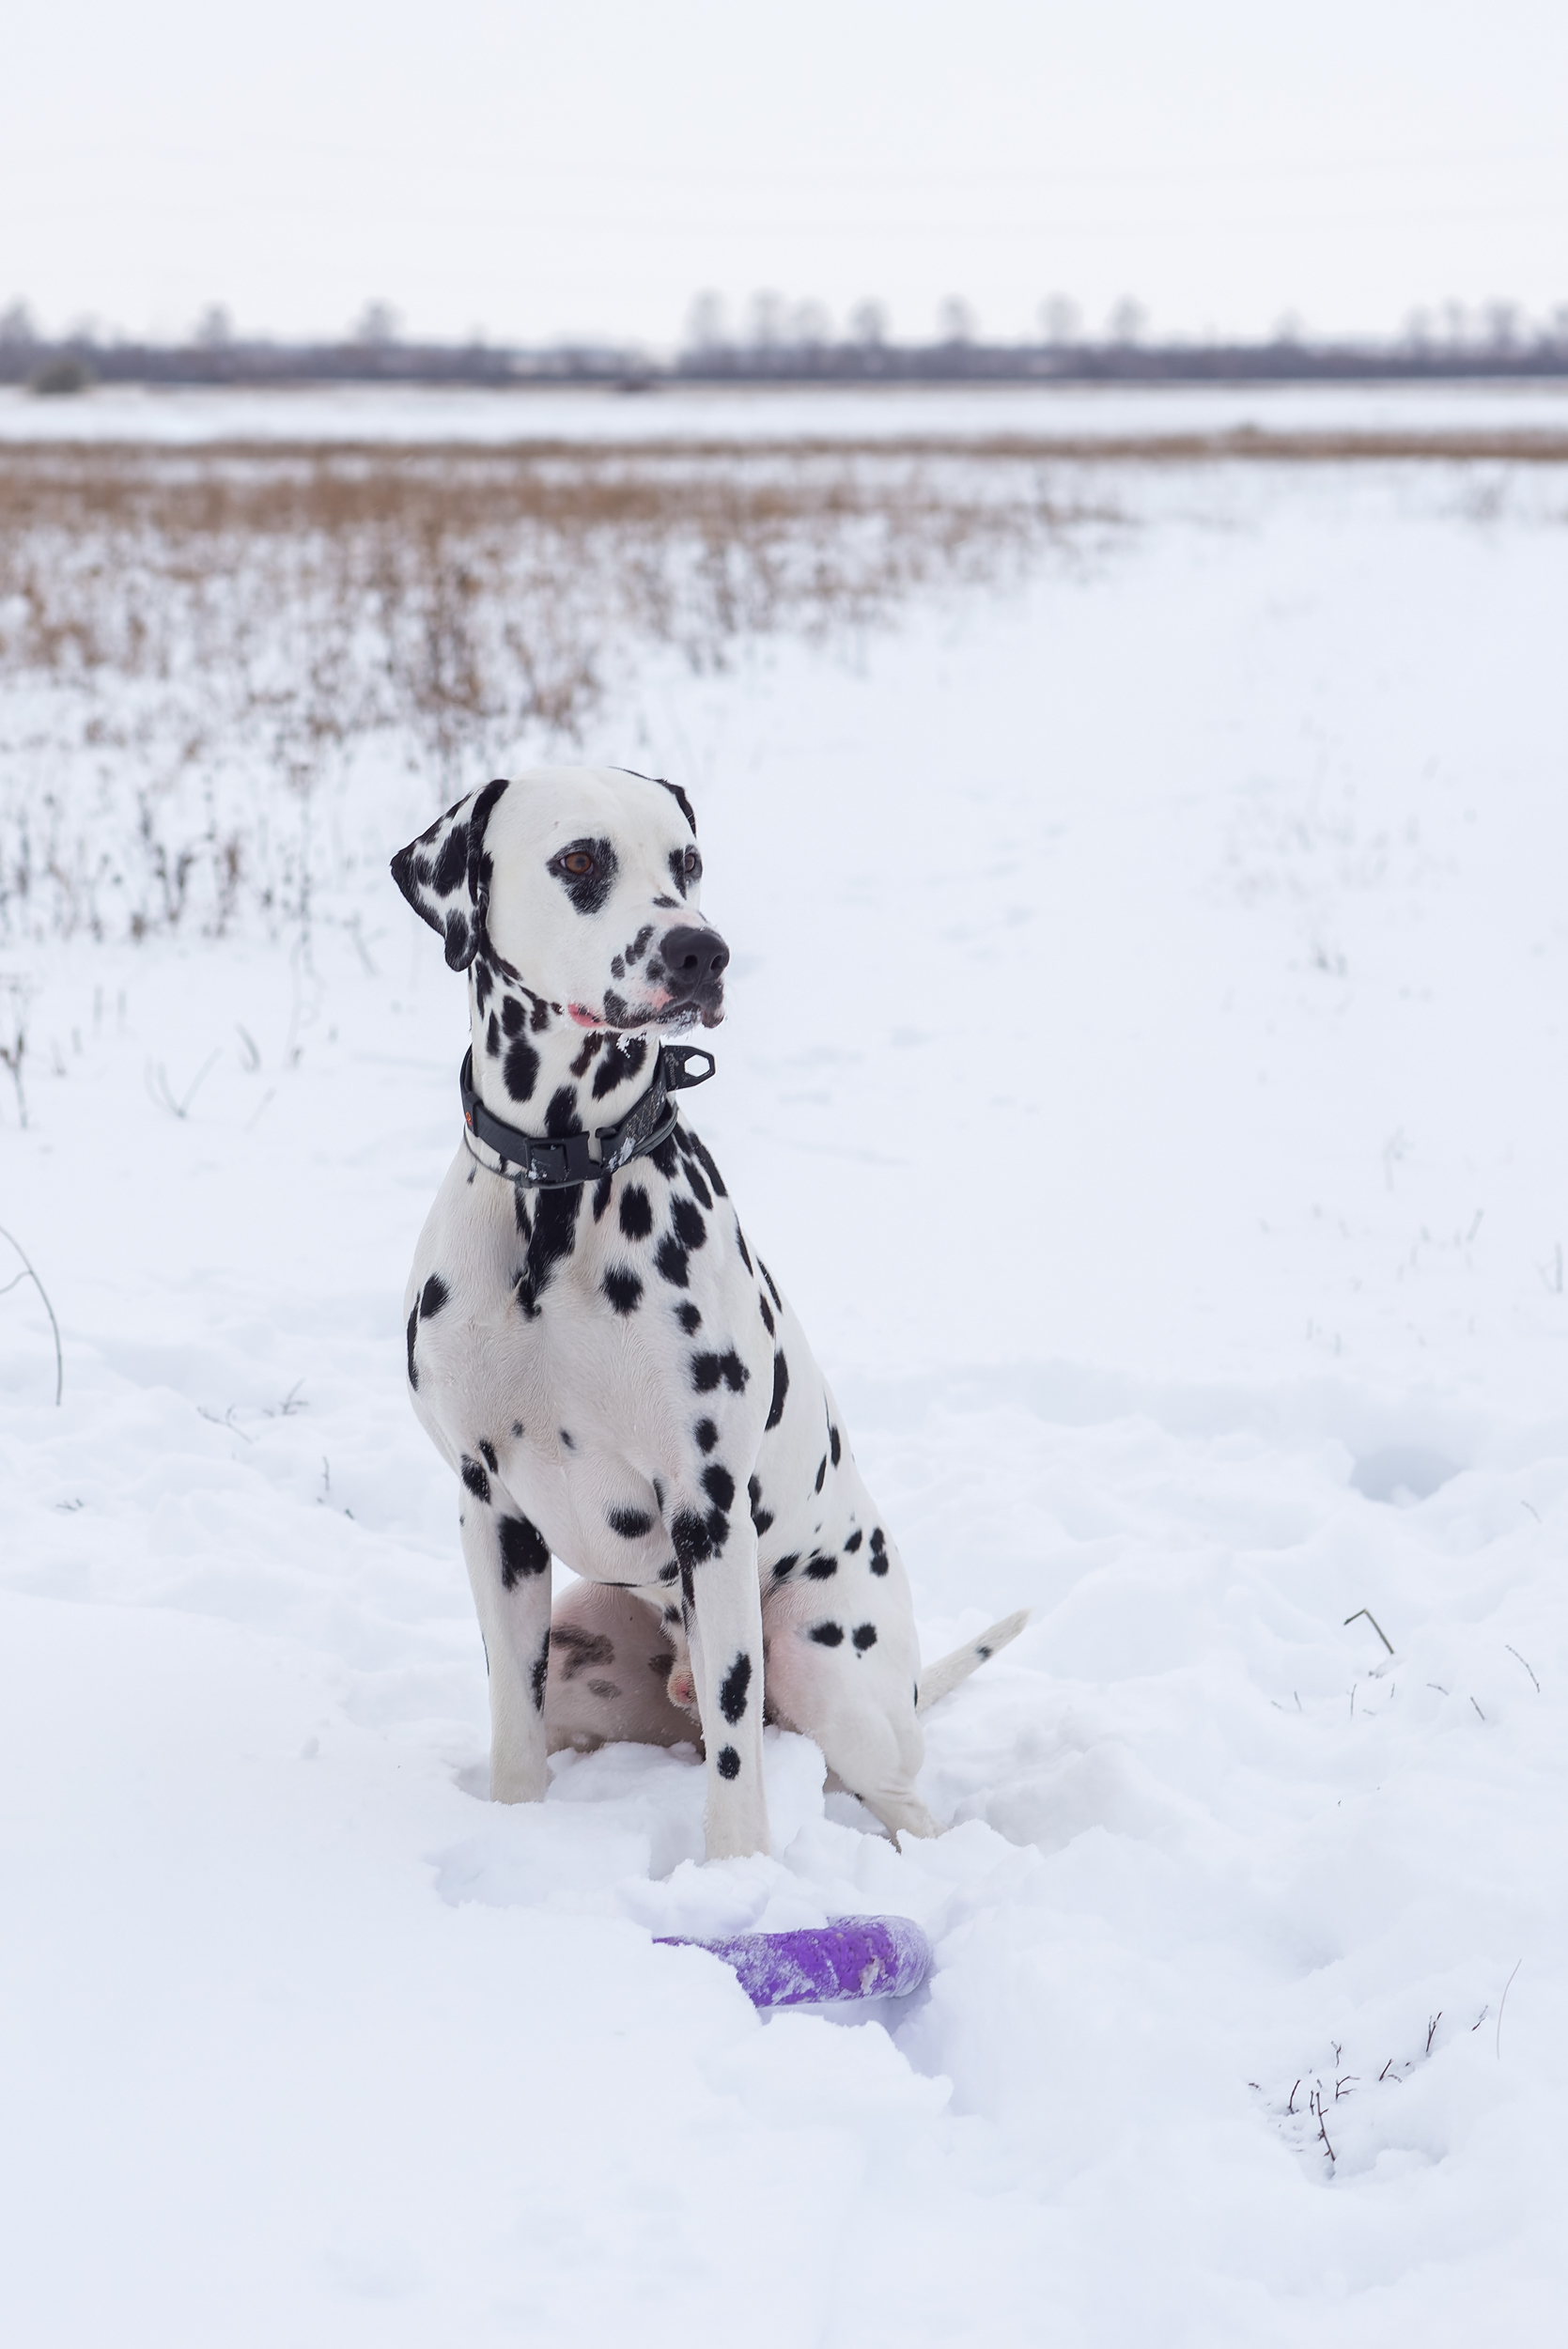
(821, 1471)
(413, 1331)
(729, 1762)
(819, 1569)
(670, 1261)
(854, 1542)
(474, 1478)
(718, 1484)
(687, 1221)
(767, 1311)
(630, 1524)
(762, 1519)
(432, 1297)
(621, 1063)
(707, 1369)
(694, 1542)
(704, 1434)
(636, 1212)
(584, 1650)
(786, 1567)
(864, 1636)
(520, 1069)
(523, 1550)
(624, 1290)
(689, 1319)
(826, 1634)
(486, 1452)
(541, 1673)
(781, 1389)
(835, 1446)
(733, 1687)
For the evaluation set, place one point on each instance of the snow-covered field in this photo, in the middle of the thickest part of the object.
(1144, 1069)
(358, 412)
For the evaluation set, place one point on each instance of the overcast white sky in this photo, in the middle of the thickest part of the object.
(535, 167)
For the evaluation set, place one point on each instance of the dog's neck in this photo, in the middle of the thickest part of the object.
(536, 1069)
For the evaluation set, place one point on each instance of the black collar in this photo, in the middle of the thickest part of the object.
(535, 1164)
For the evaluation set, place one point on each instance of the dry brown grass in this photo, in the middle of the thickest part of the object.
(197, 644)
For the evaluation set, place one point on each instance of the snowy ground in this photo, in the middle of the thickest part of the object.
(359, 411)
(1144, 1070)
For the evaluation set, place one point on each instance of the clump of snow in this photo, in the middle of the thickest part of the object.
(1147, 1003)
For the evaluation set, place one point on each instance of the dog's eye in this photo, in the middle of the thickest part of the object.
(691, 861)
(578, 863)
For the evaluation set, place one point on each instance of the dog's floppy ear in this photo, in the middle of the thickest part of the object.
(445, 875)
(673, 788)
(678, 794)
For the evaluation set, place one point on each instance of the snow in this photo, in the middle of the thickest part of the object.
(358, 412)
(1143, 1072)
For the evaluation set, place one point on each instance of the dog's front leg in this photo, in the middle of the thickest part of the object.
(723, 1610)
(509, 1568)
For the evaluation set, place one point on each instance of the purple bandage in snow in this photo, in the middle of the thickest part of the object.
(854, 1957)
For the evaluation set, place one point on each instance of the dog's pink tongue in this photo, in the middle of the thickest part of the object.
(584, 1019)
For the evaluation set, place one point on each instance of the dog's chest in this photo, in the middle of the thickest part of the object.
(583, 1348)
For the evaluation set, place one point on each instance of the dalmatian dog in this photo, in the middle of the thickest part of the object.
(598, 1350)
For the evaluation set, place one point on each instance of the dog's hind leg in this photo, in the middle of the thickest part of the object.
(508, 1569)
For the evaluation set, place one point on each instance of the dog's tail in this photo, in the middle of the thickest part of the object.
(938, 1679)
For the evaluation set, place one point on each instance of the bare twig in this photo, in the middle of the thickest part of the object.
(1519, 1660)
(1375, 1625)
(1501, 2003)
(29, 1274)
(1431, 2028)
(1480, 1715)
(162, 1092)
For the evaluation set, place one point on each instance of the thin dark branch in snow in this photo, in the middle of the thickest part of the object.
(28, 1273)
(1519, 1660)
(1438, 1686)
(1501, 2003)
(1291, 2106)
(250, 1051)
(1375, 1625)
(1534, 1512)
(1431, 2028)
(1479, 1713)
(291, 1404)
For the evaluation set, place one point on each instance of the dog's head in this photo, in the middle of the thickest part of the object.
(581, 882)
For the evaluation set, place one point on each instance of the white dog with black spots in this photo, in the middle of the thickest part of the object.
(604, 1360)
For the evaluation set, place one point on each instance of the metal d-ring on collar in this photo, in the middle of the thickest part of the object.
(534, 1164)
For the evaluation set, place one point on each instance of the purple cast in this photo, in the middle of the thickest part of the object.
(854, 1957)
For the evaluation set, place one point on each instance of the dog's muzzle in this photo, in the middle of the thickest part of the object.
(694, 962)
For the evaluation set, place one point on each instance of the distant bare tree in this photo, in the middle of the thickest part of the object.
(956, 320)
(1128, 321)
(708, 323)
(1058, 320)
(868, 325)
(378, 325)
(810, 326)
(17, 331)
(1502, 324)
(768, 321)
(214, 328)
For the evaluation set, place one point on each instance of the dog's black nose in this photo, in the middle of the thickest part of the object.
(695, 960)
